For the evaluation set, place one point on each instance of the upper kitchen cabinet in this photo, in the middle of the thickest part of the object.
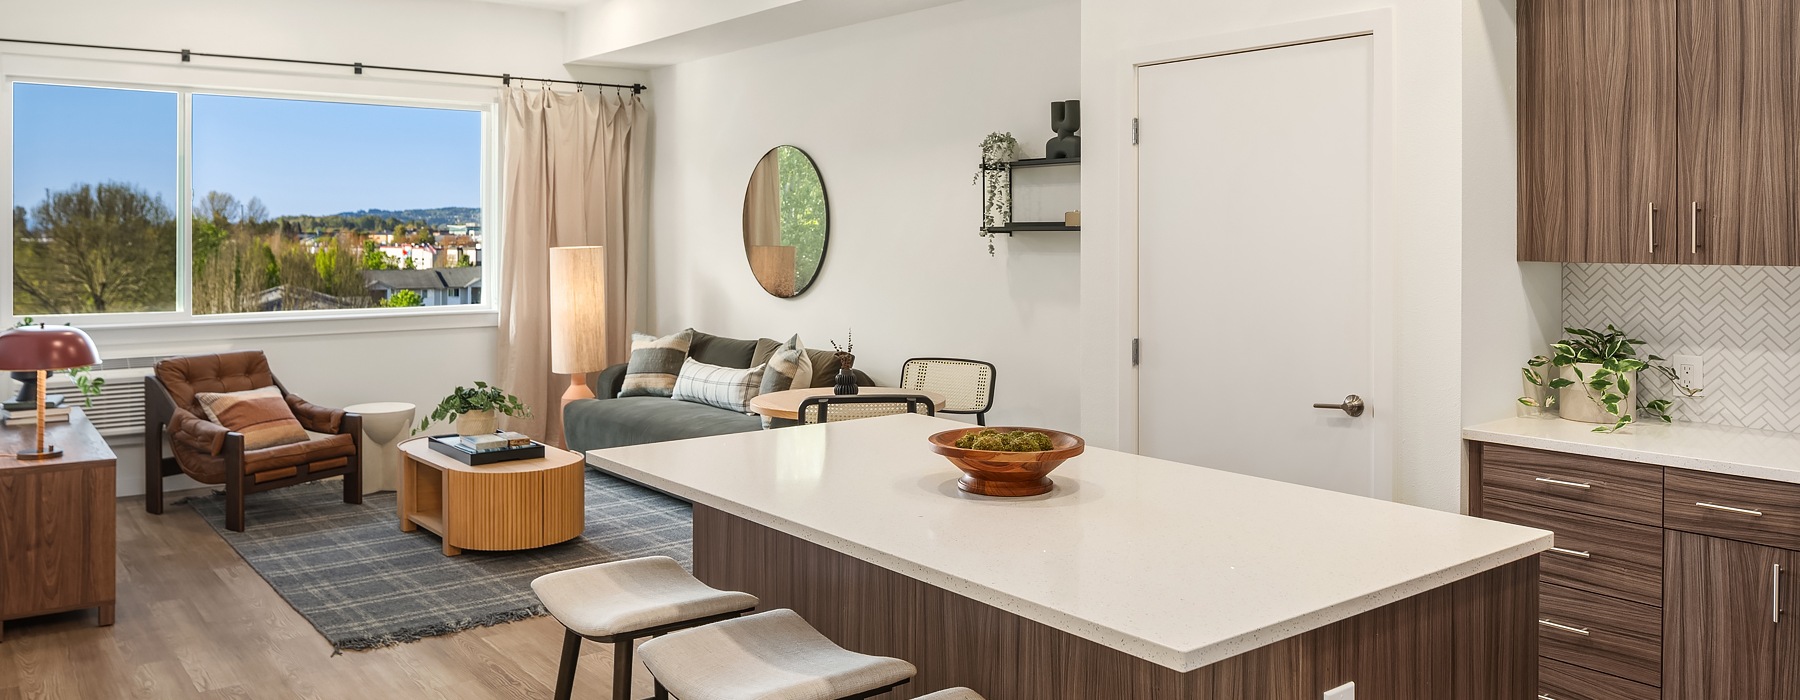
(1659, 131)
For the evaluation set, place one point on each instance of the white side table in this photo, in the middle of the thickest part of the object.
(383, 423)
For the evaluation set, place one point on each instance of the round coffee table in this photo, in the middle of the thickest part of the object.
(383, 422)
(521, 504)
(785, 405)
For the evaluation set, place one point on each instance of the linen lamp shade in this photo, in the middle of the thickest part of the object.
(43, 349)
(577, 315)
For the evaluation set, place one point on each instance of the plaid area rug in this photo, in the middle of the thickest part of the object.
(365, 584)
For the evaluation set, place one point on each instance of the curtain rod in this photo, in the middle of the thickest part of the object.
(187, 55)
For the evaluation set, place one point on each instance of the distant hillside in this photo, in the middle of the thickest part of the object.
(441, 216)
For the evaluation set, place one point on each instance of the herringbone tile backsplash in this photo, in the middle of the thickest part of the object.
(1744, 323)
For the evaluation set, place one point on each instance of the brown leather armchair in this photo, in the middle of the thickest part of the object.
(210, 454)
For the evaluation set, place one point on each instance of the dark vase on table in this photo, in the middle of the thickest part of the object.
(846, 379)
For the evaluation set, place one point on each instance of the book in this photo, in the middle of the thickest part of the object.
(14, 422)
(484, 443)
(516, 439)
(31, 412)
(50, 401)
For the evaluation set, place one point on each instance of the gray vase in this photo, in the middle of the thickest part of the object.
(1065, 120)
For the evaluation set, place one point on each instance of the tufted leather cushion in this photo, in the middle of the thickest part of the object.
(221, 373)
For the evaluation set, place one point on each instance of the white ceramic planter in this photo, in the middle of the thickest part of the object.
(1580, 403)
(475, 423)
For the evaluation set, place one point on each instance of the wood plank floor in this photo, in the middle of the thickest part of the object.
(195, 621)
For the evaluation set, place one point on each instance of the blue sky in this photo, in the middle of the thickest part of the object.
(300, 157)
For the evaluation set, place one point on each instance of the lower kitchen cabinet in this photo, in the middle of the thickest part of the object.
(1723, 618)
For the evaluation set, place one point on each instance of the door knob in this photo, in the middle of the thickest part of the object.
(1352, 405)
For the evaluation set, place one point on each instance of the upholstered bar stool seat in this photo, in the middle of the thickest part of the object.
(623, 601)
(952, 694)
(768, 656)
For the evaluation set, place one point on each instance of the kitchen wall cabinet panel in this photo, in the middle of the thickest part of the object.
(1659, 131)
(1597, 134)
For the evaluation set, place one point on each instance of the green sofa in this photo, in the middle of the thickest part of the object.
(610, 421)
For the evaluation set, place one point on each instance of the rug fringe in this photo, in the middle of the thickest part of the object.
(404, 636)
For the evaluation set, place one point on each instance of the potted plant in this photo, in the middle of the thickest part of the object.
(998, 149)
(846, 379)
(1599, 382)
(473, 409)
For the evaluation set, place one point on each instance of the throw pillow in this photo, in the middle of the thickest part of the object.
(789, 368)
(654, 363)
(262, 415)
(721, 387)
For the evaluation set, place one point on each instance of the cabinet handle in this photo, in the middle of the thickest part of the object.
(1560, 482)
(1571, 552)
(1775, 595)
(1577, 630)
(1694, 229)
(1542, 696)
(1729, 509)
(1652, 228)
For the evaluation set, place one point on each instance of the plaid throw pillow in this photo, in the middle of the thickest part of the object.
(654, 363)
(262, 415)
(722, 387)
(789, 368)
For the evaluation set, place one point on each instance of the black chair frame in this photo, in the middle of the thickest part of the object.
(913, 403)
(993, 382)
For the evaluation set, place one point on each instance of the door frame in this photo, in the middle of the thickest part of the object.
(1383, 249)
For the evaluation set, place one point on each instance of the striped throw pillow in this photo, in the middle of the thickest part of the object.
(654, 363)
(262, 415)
(789, 368)
(721, 387)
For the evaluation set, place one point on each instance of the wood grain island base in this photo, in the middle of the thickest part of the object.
(521, 504)
(1474, 639)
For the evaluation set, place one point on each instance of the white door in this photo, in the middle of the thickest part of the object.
(1254, 191)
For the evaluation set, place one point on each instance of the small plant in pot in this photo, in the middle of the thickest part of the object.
(1598, 380)
(474, 409)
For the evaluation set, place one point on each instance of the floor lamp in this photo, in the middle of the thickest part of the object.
(577, 316)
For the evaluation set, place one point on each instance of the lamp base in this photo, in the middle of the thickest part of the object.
(47, 453)
(578, 389)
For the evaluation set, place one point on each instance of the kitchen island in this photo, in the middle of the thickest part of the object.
(1134, 578)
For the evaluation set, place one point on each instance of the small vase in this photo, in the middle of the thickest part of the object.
(1540, 394)
(846, 383)
(475, 423)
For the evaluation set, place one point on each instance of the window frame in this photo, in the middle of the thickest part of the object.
(185, 81)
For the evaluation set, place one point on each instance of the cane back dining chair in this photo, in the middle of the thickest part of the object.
(832, 409)
(967, 385)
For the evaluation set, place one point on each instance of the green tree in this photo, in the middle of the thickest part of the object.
(372, 259)
(94, 249)
(403, 297)
(802, 208)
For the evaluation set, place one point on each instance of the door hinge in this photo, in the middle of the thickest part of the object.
(1134, 131)
(1134, 352)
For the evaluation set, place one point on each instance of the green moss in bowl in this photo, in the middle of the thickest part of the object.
(1013, 441)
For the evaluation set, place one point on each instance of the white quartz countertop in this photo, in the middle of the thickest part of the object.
(1175, 564)
(1760, 454)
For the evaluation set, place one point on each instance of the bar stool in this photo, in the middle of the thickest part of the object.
(623, 601)
(767, 656)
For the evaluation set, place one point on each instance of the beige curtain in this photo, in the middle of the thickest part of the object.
(574, 176)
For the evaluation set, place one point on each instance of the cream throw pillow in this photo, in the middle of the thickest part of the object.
(789, 368)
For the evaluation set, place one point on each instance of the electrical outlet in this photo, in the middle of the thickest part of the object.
(1687, 371)
(1346, 691)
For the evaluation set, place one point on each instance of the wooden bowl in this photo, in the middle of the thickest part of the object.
(991, 473)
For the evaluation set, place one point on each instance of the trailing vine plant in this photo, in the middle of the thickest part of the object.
(998, 149)
(1609, 385)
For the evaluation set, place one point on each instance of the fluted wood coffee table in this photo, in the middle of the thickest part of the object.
(522, 504)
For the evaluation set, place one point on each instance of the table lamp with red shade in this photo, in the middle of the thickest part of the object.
(45, 349)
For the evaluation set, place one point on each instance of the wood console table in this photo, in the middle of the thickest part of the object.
(56, 523)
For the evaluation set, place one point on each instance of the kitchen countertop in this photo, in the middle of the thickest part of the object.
(1176, 564)
(1760, 454)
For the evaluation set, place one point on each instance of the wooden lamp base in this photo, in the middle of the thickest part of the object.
(578, 389)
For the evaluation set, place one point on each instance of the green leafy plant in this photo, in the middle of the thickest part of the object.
(85, 381)
(998, 149)
(481, 397)
(1608, 385)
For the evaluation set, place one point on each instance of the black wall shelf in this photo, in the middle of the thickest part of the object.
(1031, 227)
(1040, 162)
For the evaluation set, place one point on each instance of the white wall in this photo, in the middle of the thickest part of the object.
(893, 111)
(1429, 84)
(331, 363)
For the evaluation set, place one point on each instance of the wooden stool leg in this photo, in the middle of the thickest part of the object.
(661, 692)
(622, 650)
(565, 673)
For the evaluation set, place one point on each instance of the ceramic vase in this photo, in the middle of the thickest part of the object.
(1579, 402)
(475, 423)
(846, 379)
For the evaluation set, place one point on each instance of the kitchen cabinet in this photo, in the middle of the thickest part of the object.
(1722, 618)
(1659, 131)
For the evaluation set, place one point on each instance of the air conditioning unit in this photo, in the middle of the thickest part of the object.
(119, 407)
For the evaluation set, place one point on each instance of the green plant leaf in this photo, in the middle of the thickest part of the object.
(1624, 385)
(1528, 402)
(1559, 383)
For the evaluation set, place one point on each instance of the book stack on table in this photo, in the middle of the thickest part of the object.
(28, 416)
(487, 449)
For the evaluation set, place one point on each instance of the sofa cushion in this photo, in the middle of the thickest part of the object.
(261, 415)
(593, 424)
(789, 367)
(824, 367)
(720, 387)
(655, 362)
(723, 352)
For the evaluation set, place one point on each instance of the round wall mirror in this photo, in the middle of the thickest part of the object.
(786, 221)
